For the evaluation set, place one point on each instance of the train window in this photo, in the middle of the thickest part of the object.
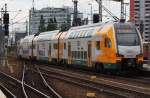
(73, 34)
(85, 55)
(72, 54)
(82, 56)
(98, 45)
(78, 55)
(75, 54)
(81, 35)
(70, 35)
(125, 28)
(64, 46)
(105, 42)
(83, 32)
(78, 34)
(89, 33)
(108, 43)
(55, 46)
(128, 39)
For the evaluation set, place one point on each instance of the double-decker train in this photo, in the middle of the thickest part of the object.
(102, 46)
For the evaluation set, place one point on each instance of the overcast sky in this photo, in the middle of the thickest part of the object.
(25, 5)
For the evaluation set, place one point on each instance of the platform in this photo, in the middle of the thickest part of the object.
(2, 95)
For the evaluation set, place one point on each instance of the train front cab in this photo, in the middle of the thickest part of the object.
(129, 46)
(120, 48)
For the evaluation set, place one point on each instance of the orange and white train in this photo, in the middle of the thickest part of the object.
(111, 45)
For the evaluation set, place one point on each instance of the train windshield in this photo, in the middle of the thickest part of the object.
(127, 35)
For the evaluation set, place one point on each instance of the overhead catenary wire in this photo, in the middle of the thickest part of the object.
(21, 19)
(17, 14)
(110, 13)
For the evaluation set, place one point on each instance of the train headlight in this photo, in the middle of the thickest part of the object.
(118, 61)
(139, 56)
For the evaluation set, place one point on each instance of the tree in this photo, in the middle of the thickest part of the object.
(52, 24)
(55, 23)
(42, 25)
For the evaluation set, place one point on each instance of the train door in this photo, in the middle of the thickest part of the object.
(69, 53)
(49, 53)
(89, 53)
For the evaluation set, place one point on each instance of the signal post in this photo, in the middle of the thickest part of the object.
(5, 27)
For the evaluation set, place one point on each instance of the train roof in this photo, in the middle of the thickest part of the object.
(49, 35)
(28, 38)
(87, 26)
(85, 31)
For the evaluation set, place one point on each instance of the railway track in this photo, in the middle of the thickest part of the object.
(102, 84)
(38, 81)
(7, 92)
(80, 83)
(142, 76)
(15, 88)
(136, 86)
(56, 95)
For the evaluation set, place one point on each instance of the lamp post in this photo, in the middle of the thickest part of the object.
(91, 13)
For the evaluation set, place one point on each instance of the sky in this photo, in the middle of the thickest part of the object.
(20, 8)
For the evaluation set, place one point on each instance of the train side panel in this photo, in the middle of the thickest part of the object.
(107, 57)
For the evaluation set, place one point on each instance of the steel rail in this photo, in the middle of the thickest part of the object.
(143, 79)
(8, 91)
(88, 85)
(84, 83)
(26, 85)
(46, 84)
(22, 83)
(102, 81)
